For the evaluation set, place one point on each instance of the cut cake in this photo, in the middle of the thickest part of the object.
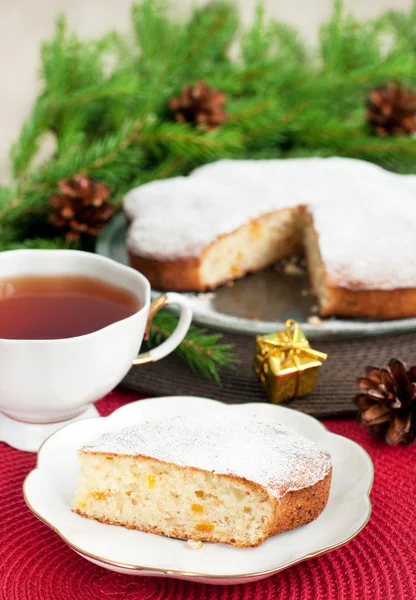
(354, 220)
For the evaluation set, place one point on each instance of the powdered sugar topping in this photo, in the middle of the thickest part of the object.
(367, 243)
(365, 216)
(265, 452)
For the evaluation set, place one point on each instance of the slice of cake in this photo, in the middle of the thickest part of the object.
(215, 478)
(234, 217)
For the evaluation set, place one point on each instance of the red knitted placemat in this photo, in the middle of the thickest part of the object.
(379, 564)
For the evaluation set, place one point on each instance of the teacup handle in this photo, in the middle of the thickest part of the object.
(166, 347)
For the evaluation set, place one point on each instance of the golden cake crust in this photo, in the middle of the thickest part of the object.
(373, 304)
(180, 275)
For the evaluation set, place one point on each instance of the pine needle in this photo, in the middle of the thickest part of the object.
(202, 350)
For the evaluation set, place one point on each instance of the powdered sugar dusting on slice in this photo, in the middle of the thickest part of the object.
(265, 452)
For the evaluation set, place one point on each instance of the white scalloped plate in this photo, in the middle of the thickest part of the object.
(50, 488)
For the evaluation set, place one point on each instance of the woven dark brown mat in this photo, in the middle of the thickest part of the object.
(332, 397)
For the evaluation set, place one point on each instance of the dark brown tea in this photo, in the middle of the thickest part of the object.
(47, 308)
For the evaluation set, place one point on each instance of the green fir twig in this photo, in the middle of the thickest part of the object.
(203, 351)
(105, 105)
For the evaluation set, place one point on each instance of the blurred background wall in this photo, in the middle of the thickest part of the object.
(24, 23)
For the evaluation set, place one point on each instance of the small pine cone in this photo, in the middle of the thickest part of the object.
(391, 110)
(200, 105)
(81, 208)
(387, 402)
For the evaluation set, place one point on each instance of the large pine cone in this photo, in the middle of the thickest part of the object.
(200, 105)
(82, 207)
(391, 110)
(387, 402)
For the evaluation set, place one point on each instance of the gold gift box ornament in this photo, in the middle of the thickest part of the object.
(286, 364)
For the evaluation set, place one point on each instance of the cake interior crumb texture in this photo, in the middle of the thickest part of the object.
(217, 478)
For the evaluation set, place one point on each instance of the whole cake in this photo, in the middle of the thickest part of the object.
(209, 478)
(354, 221)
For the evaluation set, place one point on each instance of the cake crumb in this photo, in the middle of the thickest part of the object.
(292, 269)
(315, 320)
(206, 296)
(306, 292)
(195, 544)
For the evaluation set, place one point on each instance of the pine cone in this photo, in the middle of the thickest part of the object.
(387, 402)
(200, 105)
(391, 110)
(82, 207)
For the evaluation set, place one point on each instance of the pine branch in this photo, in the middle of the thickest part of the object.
(403, 26)
(216, 22)
(202, 351)
(25, 148)
(182, 140)
(111, 152)
(105, 102)
(345, 46)
(69, 64)
(58, 243)
(117, 85)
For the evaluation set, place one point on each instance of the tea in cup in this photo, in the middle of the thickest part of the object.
(71, 325)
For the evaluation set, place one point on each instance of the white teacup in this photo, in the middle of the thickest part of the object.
(47, 381)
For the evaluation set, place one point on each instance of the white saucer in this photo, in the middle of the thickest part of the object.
(50, 488)
(30, 436)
